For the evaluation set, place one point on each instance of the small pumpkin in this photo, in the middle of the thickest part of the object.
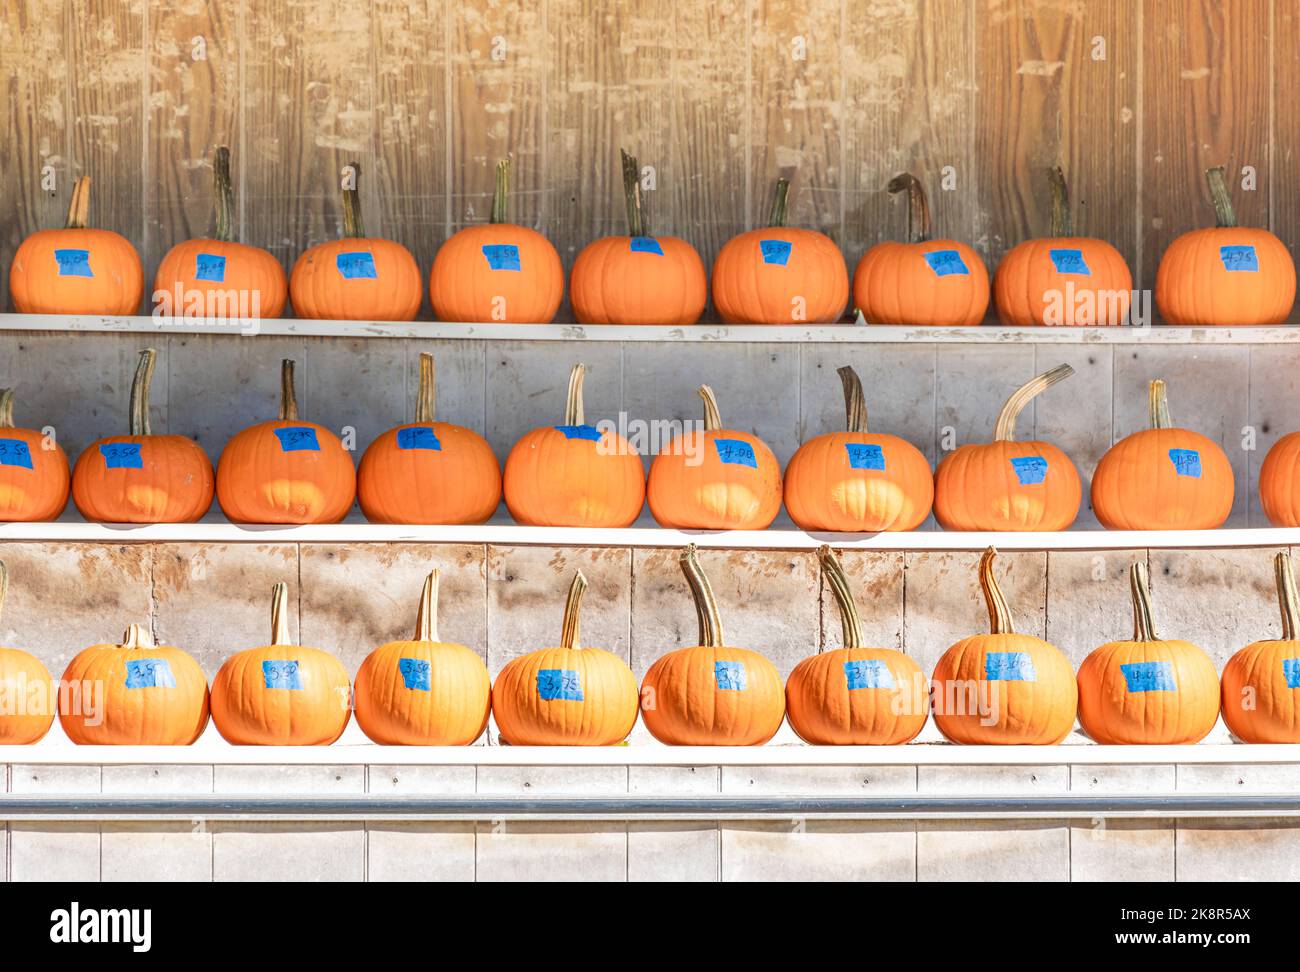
(427, 471)
(638, 278)
(356, 278)
(779, 275)
(1003, 688)
(857, 481)
(1261, 683)
(855, 695)
(566, 696)
(1005, 485)
(286, 471)
(34, 473)
(217, 277)
(27, 695)
(1147, 691)
(497, 272)
(715, 479)
(574, 474)
(423, 692)
(1063, 280)
(76, 270)
(281, 694)
(134, 693)
(1279, 482)
(141, 477)
(1163, 478)
(925, 282)
(1226, 275)
(710, 694)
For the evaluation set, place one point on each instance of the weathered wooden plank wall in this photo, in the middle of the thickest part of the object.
(1135, 99)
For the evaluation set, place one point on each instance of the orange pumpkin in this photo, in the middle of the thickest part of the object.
(709, 694)
(856, 481)
(926, 283)
(1162, 478)
(778, 275)
(1147, 691)
(133, 694)
(217, 277)
(500, 272)
(715, 479)
(281, 694)
(76, 270)
(855, 695)
(1261, 683)
(423, 692)
(286, 471)
(566, 696)
(34, 473)
(142, 477)
(574, 474)
(1226, 275)
(1067, 279)
(27, 695)
(427, 471)
(1005, 484)
(1003, 688)
(1279, 482)
(356, 278)
(639, 278)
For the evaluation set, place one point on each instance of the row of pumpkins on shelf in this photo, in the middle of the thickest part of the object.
(291, 471)
(995, 688)
(502, 272)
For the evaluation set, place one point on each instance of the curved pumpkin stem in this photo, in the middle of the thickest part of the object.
(280, 614)
(637, 224)
(352, 222)
(706, 608)
(1000, 621)
(1286, 595)
(712, 417)
(850, 620)
(136, 637)
(1005, 429)
(139, 418)
(1224, 214)
(1062, 222)
(79, 207)
(6, 408)
(501, 194)
(223, 196)
(1144, 628)
(426, 618)
(855, 403)
(569, 630)
(780, 199)
(1159, 401)
(918, 207)
(425, 399)
(288, 399)
(574, 414)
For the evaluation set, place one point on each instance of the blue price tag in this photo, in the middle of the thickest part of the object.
(418, 437)
(1291, 672)
(415, 674)
(1156, 676)
(736, 452)
(729, 676)
(15, 452)
(1239, 259)
(149, 673)
(1009, 666)
(122, 455)
(281, 675)
(1187, 462)
(1030, 470)
(559, 683)
(357, 266)
(776, 252)
(588, 432)
(1069, 261)
(871, 673)
(946, 263)
(210, 267)
(865, 455)
(646, 244)
(73, 263)
(298, 438)
(502, 256)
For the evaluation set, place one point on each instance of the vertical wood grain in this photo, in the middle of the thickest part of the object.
(1285, 184)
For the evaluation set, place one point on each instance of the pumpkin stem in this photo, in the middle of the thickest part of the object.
(779, 200)
(280, 614)
(1286, 595)
(288, 400)
(637, 224)
(1000, 621)
(223, 196)
(918, 207)
(569, 630)
(136, 637)
(855, 403)
(352, 223)
(1224, 214)
(425, 400)
(1143, 627)
(1062, 223)
(573, 410)
(1005, 429)
(850, 620)
(6, 408)
(426, 619)
(501, 196)
(712, 417)
(706, 608)
(1159, 396)
(79, 207)
(139, 417)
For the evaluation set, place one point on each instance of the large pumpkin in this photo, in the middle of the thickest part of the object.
(1005, 485)
(709, 694)
(573, 474)
(855, 695)
(857, 481)
(1225, 275)
(356, 278)
(286, 471)
(27, 695)
(281, 694)
(497, 272)
(715, 479)
(566, 696)
(423, 692)
(1065, 279)
(217, 277)
(133, 694)
(141, 477)
(76, 270)
(639, 278)
(1163, 478)
(1279, 482)
(1003, 688)
(778, 275)
(34, 474)
(1261, 683)
(925, 282)
(427, 471)
(1147, 691)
